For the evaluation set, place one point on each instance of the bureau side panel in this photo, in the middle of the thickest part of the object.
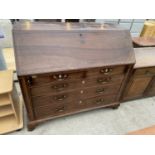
(27, 97)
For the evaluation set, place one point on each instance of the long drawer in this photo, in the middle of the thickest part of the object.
(64, 108)
(95, 101)
(39, 80)
(76, 84)
(54, 110)
(75, 95)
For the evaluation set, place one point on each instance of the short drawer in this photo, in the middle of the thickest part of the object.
(39, 80)
(145, 71)
(59, 87)
(106, 71)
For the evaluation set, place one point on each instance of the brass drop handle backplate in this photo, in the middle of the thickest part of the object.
(30, 81)
(60, 86)
(100, 101)
(100, 90)
(60, 109)
(104, 80)
(106, 70)
(60, 97)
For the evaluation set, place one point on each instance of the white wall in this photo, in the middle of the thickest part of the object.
(134, 25)
(6, 29)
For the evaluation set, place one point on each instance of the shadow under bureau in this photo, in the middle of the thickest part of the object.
(66, 68)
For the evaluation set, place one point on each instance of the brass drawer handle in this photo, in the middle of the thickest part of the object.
(100, 101)
(60, 109)
(60, 86)
(106, 70)
(30, 81)
(60, 76)
(60, 97)
(104, 80)
(100, 90)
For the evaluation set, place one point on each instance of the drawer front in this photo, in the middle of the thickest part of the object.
(58, 87)
(54, 110)
(97, 91)
(106, 71)
(75, 95)
(54, 99)
(95, 102)
(39, 80)
(145, 71)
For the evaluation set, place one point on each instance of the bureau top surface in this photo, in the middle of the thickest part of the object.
(37, 26)
(145, 57)
(43, 48)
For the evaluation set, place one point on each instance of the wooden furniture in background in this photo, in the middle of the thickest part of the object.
(9, 58)
(148, 29)
(66, 68)
(72, 20)
(145, 131)
(47, 20)
(142, 79)
(143, 42)
(8, 54)
(10, 106)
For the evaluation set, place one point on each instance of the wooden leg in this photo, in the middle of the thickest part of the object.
(31, 127)
(116, 106)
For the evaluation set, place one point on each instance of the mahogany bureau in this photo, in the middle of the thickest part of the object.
(66, 68)
(142, 79)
